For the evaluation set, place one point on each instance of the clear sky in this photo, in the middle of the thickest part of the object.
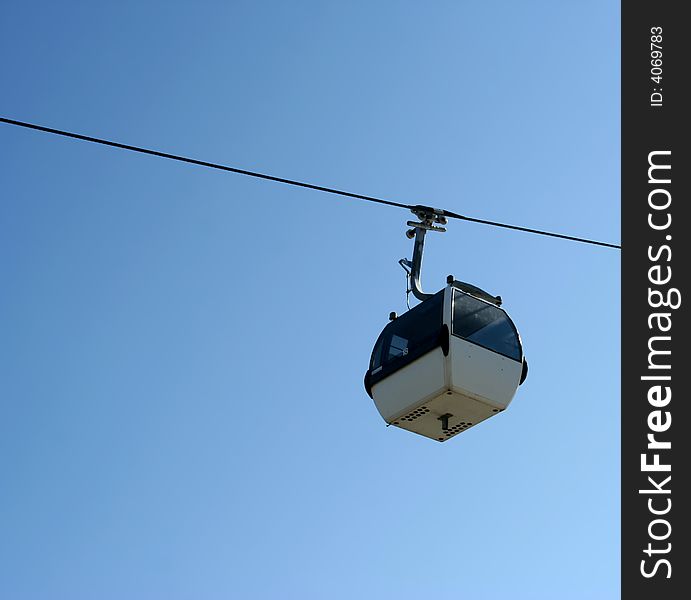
(182, 414)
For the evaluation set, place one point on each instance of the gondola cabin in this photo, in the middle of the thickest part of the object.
(447, 364)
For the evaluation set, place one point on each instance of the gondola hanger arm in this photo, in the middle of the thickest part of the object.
(429, 219)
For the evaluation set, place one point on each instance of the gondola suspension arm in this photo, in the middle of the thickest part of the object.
(429, 219)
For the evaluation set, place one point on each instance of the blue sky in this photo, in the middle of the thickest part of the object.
(182, 413)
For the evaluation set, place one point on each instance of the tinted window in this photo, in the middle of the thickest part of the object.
(409, 336)
(484, 325)
(398, 347)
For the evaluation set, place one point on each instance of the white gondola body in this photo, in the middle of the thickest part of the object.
(453, 386)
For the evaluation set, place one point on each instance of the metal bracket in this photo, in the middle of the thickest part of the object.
(430, 219)
(445, 421)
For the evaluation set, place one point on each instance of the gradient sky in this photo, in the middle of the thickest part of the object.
(182, 414)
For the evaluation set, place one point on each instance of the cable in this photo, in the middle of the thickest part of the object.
(194, 161)
(302, 184)
(528, 230)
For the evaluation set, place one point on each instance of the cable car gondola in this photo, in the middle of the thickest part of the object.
(450, 362)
